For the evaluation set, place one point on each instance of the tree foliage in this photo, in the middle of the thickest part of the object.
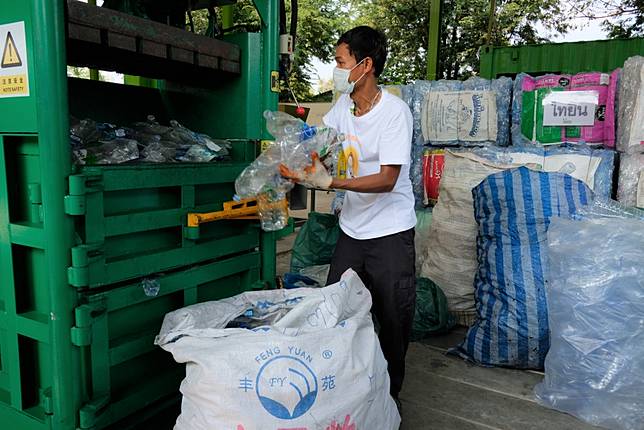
(620, 18)
(318, 28)
(464, 28)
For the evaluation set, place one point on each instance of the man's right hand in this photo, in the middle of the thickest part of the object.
(313, 176)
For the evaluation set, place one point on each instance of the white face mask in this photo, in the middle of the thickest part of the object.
(341, 79)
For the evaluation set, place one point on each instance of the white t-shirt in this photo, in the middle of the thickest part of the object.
(380, 137)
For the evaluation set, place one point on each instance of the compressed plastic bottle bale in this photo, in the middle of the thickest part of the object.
(593, 166)
(630, 189)
(595, 296)
(630, 133)
(470, 113)
(528, 109)
(404, 92)
(513, 210)
(416, 174)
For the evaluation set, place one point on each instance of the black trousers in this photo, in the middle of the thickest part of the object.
(387, 267)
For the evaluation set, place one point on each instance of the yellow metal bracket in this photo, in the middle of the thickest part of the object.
(243, 209)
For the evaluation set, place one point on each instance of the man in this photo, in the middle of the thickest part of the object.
(377, 218)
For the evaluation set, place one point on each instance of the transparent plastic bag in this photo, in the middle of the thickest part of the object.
(608, 208)
(630, 133)
(630, 188)
(595, 297)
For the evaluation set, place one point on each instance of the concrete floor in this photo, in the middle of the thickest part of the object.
(444, 392)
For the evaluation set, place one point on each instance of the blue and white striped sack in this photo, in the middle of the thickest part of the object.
(513, 210)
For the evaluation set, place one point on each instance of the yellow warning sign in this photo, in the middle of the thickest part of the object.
(16, 84)
(10, 56)
(14, 71)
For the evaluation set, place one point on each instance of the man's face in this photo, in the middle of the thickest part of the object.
(345, 60)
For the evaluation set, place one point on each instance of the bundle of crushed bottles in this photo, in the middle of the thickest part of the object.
(294, 143)
(97, 143)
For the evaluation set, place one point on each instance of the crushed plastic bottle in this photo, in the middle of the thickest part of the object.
(103, 143)
(151, 286)
(116, 151)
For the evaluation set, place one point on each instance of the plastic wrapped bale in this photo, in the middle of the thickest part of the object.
(300, 358)
(416, 174)
(630, 133)
(630, 189)
(471, 113)
(450, 257)
(593, 166)
(513, 210)
(596, 307)
(404, 92)
(533, 96)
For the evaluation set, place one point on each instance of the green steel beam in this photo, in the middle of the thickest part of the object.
(269, 12)
(226, 16)
(53, 118)
(434, 39)
(94, 74)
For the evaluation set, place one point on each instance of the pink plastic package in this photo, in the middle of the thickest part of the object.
(603, 131)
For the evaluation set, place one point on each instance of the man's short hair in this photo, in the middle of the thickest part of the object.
(366, 42)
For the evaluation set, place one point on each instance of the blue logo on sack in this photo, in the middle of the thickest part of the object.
(286, 387)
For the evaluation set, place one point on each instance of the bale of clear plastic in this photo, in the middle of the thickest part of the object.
(471, 113)
(595, 296)
(630, 186)
(630, 133)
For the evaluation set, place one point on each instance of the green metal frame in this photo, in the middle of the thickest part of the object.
(573, 57)
(435, 7)
(75, 325)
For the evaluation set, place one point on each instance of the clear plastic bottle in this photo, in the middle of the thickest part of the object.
(273, 210)
(286, 127)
